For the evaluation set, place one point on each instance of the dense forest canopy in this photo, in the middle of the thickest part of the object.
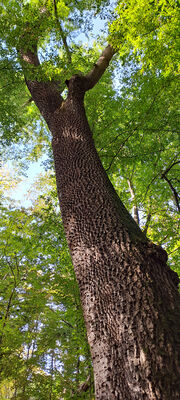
(133, 113)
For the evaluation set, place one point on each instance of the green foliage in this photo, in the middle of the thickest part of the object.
(151, 30)
(26, 23)
(41, 316)
(134, 115)
(137, 135)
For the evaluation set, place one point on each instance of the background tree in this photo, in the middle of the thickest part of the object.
(41, 315)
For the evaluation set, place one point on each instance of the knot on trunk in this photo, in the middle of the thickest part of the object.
(159, 253)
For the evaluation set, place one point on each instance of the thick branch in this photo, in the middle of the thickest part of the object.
(99, 68)
(46, 95)
(29, 57)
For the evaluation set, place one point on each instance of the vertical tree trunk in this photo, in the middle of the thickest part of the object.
(128, 293)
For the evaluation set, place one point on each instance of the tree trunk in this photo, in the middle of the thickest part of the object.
(128, 293)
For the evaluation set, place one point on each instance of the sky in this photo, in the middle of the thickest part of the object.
(19, 192)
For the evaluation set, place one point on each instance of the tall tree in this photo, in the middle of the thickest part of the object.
(129, 294)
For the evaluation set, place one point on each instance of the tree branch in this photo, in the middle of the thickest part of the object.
(99, 68)
(85, 385)
(27, 102)
(8, 306)
(168, 169)
(63, 37)
(46, 95)
(146, 226)
(67, 323)
(119, 149)
(173, 190)
(135, 208)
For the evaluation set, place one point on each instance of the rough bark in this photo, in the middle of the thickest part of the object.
(128, 293)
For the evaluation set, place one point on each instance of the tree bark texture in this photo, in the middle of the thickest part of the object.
(129, 295)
